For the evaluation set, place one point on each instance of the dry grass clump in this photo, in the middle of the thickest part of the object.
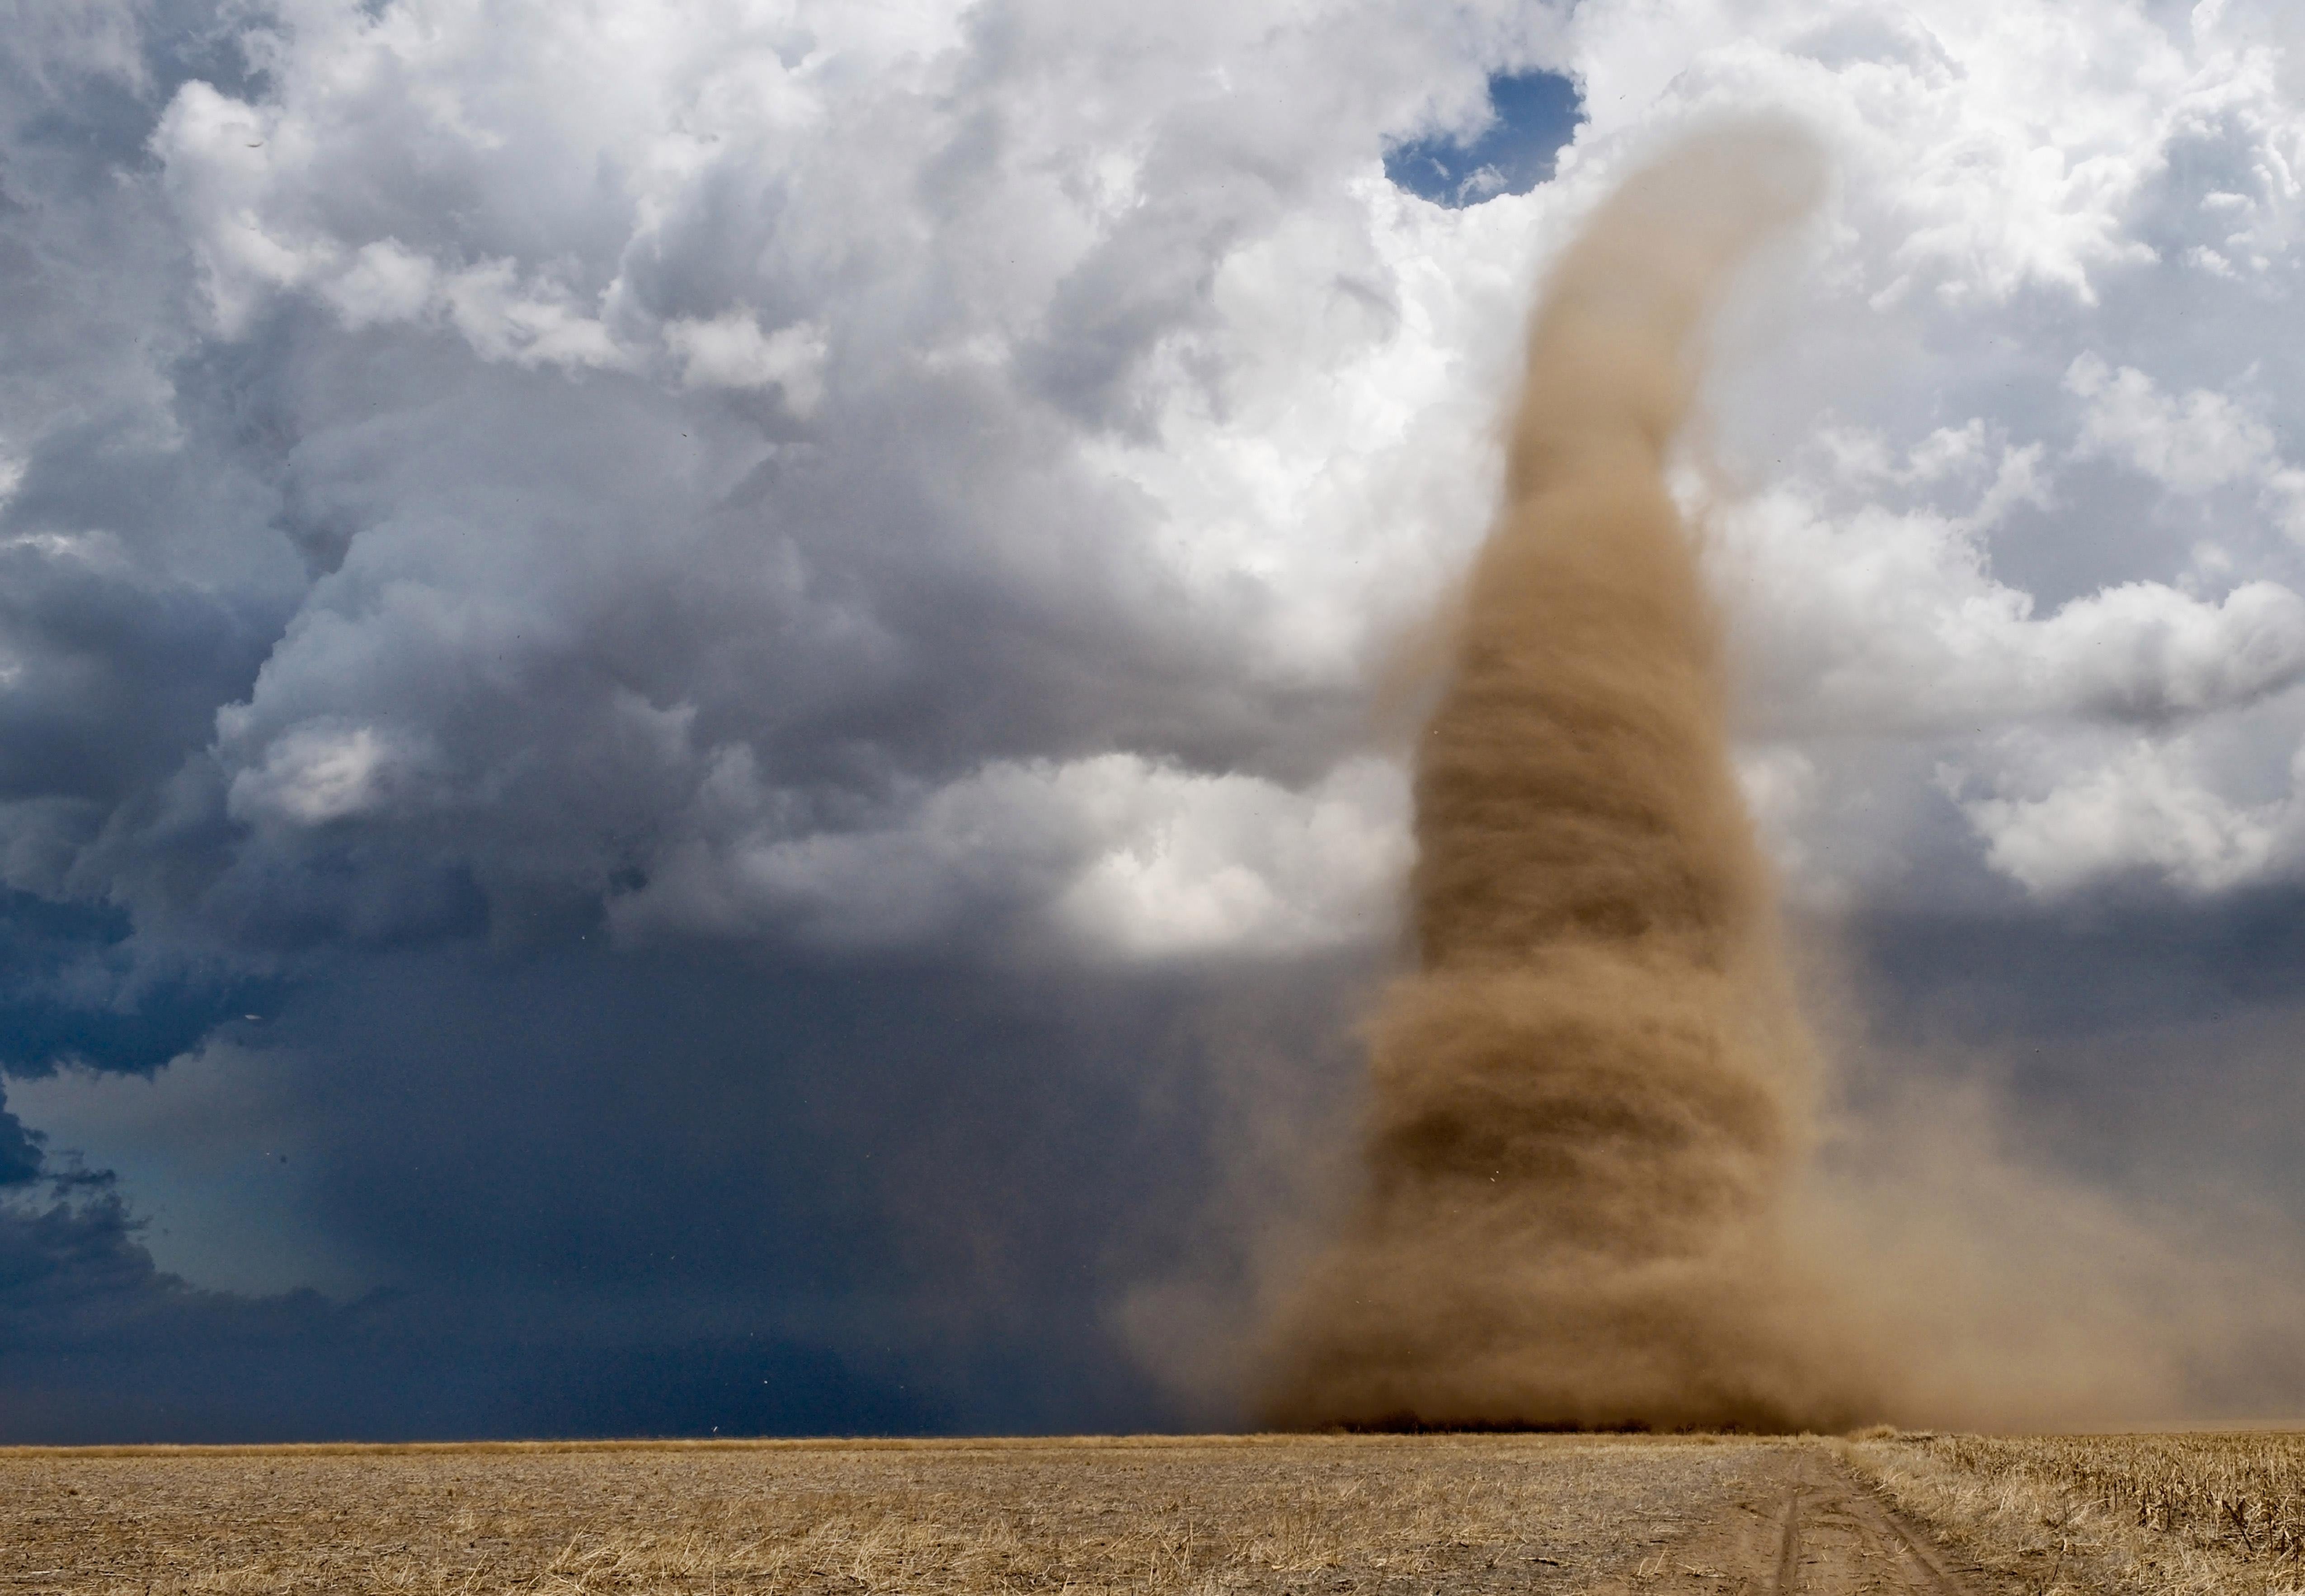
(2243, 1495)
(2204, 1514)
(1372, 1515)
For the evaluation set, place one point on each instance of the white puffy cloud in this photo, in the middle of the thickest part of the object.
(1880, 620)
(2140, 810)
(316, 774)
(2194, 444)
(1986, 149)
(923, 410)
(1113, 857)
(731, 351)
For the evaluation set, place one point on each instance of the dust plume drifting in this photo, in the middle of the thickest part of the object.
(1593, 1098)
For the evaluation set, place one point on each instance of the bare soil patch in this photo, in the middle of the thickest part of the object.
(1813, 1528)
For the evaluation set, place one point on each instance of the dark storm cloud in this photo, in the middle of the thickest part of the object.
(608, 1195)
(698, 674)
(356, 670)
(77, 990)
(102, 1347)
(20, 1152)
(2112, 963)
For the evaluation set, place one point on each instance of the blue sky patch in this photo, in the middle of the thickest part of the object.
(1534, 115)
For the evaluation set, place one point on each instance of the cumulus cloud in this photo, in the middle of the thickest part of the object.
(2192, 446)
(846, 491)
(1109, 855)
(1879, 619)
(731, 351)
(578, 589)
(2146, 809)
(316, 774)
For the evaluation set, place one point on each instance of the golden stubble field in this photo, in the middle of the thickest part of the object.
(1343, 1514)
(1740, 1516)
(2189, 1515)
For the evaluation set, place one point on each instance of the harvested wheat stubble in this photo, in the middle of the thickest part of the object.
(2189, 1515)
(1350, 1513)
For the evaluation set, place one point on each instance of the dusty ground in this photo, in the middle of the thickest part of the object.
(1391, 1515)
(1815, 1528)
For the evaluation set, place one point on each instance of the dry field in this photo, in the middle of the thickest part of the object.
(2202, 1514)
(1470, 1513)
(2138, 1516)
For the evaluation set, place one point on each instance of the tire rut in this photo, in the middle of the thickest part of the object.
(1812, 1530)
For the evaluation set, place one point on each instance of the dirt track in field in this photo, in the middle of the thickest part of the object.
(1357, 1516)
(1811, 1531)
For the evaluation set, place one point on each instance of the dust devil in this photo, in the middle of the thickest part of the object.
(1592, 1093)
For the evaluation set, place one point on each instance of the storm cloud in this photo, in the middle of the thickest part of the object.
(693, 720)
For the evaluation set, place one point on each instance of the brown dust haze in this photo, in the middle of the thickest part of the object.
(1593, 1097)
